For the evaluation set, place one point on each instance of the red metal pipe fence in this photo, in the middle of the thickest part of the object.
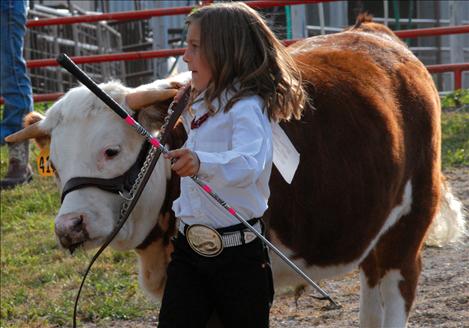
(432, 31)
(44, 97)
(149, 13)
(143, 14)
(125, 56)
(177, 52)
(457, 69)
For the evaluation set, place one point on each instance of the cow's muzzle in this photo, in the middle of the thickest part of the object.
(71, 231)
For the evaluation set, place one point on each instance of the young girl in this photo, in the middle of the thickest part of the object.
(242, 79)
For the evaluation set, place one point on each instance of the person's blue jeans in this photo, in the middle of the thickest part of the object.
(15, 85)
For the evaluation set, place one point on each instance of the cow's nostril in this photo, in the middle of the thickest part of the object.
(70, 228)
(77, 224)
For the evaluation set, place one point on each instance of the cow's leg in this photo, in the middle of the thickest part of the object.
(391, 270)
(371, 301)
(387, 291)
(398, 254)
(398, 291)
(399, 251)
(371, 307)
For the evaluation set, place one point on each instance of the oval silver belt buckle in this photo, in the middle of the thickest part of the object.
(204, 240)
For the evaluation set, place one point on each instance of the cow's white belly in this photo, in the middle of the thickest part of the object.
(285, 276)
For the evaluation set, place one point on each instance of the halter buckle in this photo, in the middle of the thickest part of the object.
(126, 196)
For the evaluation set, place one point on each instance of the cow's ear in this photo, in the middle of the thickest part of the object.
(152, 117)
(176, 85)
(140, 99)
(31, 130)
(34, 117)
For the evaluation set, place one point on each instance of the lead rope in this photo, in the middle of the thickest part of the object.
(130, 199)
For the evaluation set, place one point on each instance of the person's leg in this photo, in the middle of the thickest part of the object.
(185, 301)
(16, 85)
(244, 288)
(15, 89)
(19, 171)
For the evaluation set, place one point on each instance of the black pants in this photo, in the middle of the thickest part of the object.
(237, 284)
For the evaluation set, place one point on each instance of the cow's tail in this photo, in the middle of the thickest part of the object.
(449, 225)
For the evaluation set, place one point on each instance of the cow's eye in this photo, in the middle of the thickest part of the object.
(111, 152)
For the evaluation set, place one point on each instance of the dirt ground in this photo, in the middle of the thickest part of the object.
(442, 295)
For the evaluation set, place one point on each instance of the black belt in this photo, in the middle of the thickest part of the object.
(235, 235)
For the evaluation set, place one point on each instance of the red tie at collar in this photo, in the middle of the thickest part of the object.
(197, 123)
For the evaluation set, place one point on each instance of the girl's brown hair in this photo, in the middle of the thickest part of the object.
(240, 48)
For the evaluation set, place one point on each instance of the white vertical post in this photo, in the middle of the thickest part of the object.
(321, 17)
(298, 21)
(122, 63)
(386, 11)
(58, 69)
(337, 14)
(159, 26)
(456, 40)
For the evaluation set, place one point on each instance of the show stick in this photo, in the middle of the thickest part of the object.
(70, 66)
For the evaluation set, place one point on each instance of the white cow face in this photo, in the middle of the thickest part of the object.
(89, 140)
(100, 145)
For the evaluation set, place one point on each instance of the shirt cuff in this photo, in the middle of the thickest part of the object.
(205, 167)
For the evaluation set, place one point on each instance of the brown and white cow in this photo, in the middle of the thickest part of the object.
(366, 191)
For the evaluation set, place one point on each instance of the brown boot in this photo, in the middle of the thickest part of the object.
(19, 171)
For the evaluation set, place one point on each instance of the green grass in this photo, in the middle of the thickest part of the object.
(455, 135)
(456, 100)
(39, 281)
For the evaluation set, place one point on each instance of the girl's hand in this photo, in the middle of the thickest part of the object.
(184, 162)
(181, 89)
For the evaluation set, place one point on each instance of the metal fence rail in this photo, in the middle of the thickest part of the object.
(77, 40)
(75, 36)
(145, 14)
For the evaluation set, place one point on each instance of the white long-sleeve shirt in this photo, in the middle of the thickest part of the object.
(235, 153)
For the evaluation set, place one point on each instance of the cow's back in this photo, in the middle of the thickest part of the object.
(372, 127)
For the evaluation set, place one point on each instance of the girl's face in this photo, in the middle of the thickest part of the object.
(201, 73)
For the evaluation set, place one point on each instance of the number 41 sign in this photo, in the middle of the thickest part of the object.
(44, 166)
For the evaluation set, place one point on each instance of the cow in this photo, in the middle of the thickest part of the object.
(368, 186)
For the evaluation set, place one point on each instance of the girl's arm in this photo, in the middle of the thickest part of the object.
(250, 153)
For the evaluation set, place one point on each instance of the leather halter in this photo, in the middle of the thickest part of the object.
(120, 184)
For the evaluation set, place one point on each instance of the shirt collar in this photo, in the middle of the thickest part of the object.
(225, 96)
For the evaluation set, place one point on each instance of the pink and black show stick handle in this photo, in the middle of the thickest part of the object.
(76, 71)
(70, 66)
